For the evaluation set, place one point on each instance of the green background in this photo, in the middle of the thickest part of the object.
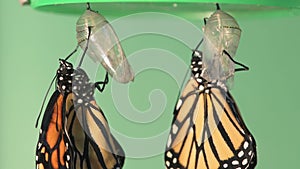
(268, 95)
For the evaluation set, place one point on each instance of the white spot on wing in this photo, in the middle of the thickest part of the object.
(169, 140)
(199, 80)
(179, 103)
(39, 145)
(225, 165)
(246, 144)
(242, 131)
(168, 163)
(245, 161)
(169, 154)
(201, 87)
(174, 129)
(174, 160)
(235, 162)
(241, 153)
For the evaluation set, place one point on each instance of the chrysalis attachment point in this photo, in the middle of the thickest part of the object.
(24, 2)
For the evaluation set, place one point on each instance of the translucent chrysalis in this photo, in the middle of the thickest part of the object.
(221, 37)
(103, 45)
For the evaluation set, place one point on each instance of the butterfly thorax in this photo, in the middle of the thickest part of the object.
(197, 73)
(82, 88)
(65, 73)
(196, 66)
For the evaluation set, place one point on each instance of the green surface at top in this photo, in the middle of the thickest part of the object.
(185, 8)
(288, 3)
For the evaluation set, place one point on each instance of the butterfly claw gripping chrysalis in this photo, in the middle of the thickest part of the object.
(104, 46)
(207, 130)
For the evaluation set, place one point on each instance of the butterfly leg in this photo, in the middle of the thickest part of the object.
(101, 88)
(244, 67)
(86, 47)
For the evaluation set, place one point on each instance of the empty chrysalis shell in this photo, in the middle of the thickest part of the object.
(104, 45)
(221, 32)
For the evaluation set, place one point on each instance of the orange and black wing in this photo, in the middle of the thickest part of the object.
(53, 148)
(208, 131)
(94, 145)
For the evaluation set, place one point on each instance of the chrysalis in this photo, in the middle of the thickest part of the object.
(103, 45)
(221, 37)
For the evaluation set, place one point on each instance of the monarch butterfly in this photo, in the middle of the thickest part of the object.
(76, 134)
(104, 45)
(207, 129)
(54, 149)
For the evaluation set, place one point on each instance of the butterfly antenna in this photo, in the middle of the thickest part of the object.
(71, 53)
(199, 44)
(38, 118)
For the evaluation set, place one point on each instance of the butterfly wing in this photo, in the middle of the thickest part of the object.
(95, 146)
(53, 151)
(208, 131)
